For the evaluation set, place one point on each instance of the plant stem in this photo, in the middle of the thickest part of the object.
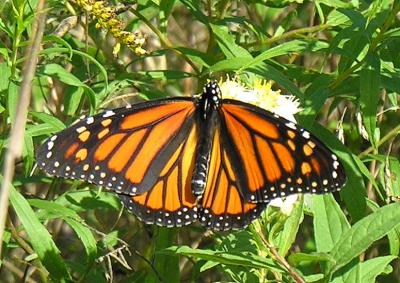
(164, 40)
(14, 148)
(289, 34)
(280, 259)
(392, 133)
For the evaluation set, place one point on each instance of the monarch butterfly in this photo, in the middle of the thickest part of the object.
(179, 160)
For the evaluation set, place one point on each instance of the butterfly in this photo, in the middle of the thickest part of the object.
(175, 161)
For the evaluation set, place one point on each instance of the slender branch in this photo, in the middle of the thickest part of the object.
(289, 34)
(164, 40)
(14, 148)
(392, 133)
(16, 271)
(280, 259)
(43, 273)
(21, 241)
(343, 76)
(375, 42)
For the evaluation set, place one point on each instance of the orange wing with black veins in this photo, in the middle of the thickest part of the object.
(274, 157)
(123, 149)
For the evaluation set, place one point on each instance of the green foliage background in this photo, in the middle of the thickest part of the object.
(340, 58)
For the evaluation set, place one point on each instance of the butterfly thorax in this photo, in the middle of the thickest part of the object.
(209, 100)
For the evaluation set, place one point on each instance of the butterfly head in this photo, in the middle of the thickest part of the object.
(210, 98)
(212, 91)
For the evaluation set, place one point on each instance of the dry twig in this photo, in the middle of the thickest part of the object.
(14, 148)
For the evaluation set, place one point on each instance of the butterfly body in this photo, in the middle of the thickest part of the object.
(179, 160)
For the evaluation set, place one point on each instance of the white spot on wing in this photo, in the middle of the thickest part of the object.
(291, 125)
(108, 113)
(306, 135)
(89, 120)
(81, 129)
(50, 145)
(335, 164)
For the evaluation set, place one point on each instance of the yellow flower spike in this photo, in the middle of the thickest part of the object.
(107, 19)
(117, 48)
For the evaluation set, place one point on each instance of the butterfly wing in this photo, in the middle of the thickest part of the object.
(123, 149)
(170, 202)
(274, 157)
(222, 206)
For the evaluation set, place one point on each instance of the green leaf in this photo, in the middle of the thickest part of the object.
(267, 71)
(200, 58)
(195, 10)
(290, 228)
(63, 75)
(86, 237)
(66, 77)
(5, 73)
(72, 100)
(282, 49)
(165, 74)
(315, 97)
(350, 273)
(369, 94)
(57, 50)
(313, 278)
(329, 222)
(337, 3)
(51, 210)
(394, 241)
(166, 7)
(12, 99)
(60, 41)
(40, 130)
(299, 258)
(353, 49)
(337, 18)
(231, 64)
(83, 200)
(166, 265)
(52, 121)
(227, 43)
(353, 192)
(371, 268)
(362, 234)
(41, 239)
(248, 260)
(28, 153)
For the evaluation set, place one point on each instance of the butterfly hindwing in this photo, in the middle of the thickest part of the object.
(122, 149)
(222, 205)
(170, 201)
(275, 157)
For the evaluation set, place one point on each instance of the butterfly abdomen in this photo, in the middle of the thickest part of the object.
(203, 152)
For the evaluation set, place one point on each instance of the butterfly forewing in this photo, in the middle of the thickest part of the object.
(122, 149)
(275, 157)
